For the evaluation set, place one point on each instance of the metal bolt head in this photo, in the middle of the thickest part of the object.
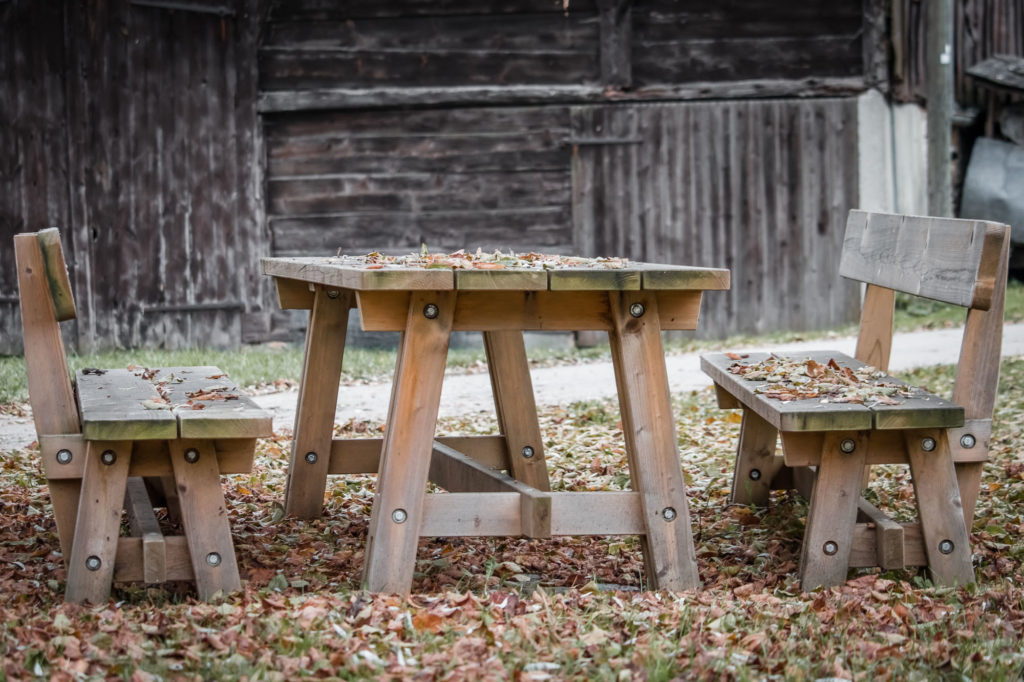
(192, 455)
(333, 293)
(968, 440)
(527, 451)
(830, 548)
(108, 457)
(637, 310)
(946, 546)
(755, 474)
(848, 445)
(93, 563)
(668, 513)
(213, 559)
(311, 457)
(399, 516)
(64, 457)
(927, 444)
(431, 311)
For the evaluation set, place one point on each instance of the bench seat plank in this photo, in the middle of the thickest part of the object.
(118, 405)
(122, 404)
(920, 410)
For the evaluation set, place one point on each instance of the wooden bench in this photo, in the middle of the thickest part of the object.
(124, 435)
(827, 445)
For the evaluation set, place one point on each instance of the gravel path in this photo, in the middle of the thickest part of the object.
(465, 394)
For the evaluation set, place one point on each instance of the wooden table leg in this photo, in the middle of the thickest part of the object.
(939, 508)
(204, 516)
(832, 515)
(516, 407)
(317, 404)
(98, 526)
(408, 442)
(649, 429)
(756, 461)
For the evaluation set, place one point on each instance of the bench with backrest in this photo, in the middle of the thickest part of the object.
(835, 421)
(123, 440)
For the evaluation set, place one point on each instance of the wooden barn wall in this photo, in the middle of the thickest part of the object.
(981, 29)
(759, 187)
(140, 144)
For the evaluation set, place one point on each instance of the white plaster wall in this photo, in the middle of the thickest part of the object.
(893, 155)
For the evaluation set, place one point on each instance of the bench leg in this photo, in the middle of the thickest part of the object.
(756, 461)
(832, 516)
(939, 507)
(516, 408)
(98, 526)
(968, 478)
(204, 516)
(64, 495)
(318, 400)
(408, 442)
(649, 428)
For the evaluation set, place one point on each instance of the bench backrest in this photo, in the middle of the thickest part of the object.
(45, 295)
(963, 262)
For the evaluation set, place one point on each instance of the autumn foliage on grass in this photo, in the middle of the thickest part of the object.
(511, 608)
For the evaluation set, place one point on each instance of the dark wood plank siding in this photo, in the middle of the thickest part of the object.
(453, 178)
(710, 40)
(759, 187)
(981, 29)
(151, 142)
(314, 45)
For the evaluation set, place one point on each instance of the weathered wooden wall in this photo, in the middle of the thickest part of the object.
(981, 28)
(759, 187)
(133, 128)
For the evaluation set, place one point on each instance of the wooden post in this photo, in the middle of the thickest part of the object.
(516, 407)
(649, 428)
(405, 461)
(832, 515)
(756, 461)
(317, 403)
(204, 515)
(939, 92)
(91, 566)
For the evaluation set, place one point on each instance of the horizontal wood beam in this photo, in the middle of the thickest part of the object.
(888, 536)
(458, 473)
(499, 514)
(526, 310)
(129, 564)
(362, 455)
(888, 447)
(149, 458)
(864, 548)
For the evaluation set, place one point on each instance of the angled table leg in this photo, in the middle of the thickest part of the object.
(204, 516)
(756, 461)
(649, 427)
(516, 407)
(832, 515)
(408, 442)
(939, 508)
(91, 567)
(318, 399)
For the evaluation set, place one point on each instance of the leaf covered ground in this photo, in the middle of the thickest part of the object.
(531, 609)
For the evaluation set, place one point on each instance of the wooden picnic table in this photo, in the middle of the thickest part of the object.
(426, 301)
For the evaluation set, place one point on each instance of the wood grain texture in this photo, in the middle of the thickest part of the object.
(889, 537)
(54, 406)
(874, 338)
(129, 566)
(920, 410)
(91, 564)
(756, 461)
(57, 274)
(142, 523)
(516, 407)
(649, 430)
(401, 483)
(940, 509)
(236, 417)
(864, 553)
(362, 455)
(945, 259)
(294, 294)
(204, 516)
(317, 402)
(832, 515)
(119, 404)
(346, 276)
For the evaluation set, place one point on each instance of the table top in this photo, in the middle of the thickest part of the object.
(493, 271)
